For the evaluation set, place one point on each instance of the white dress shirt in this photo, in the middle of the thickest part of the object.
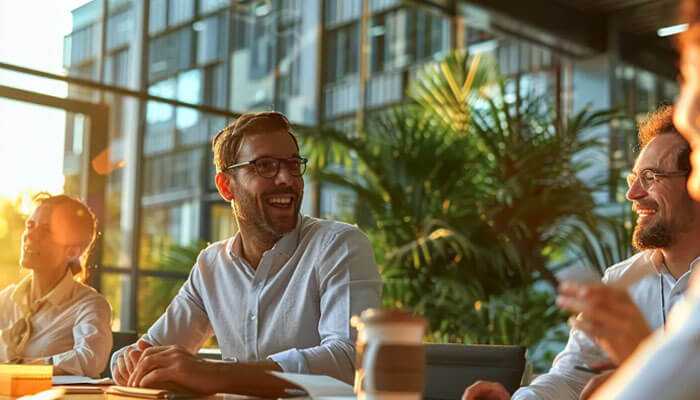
(666, 365)
(71, 330)
(652, 288)
(294, 308)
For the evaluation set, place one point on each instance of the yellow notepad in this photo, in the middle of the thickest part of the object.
(22, 380)
(117, 392)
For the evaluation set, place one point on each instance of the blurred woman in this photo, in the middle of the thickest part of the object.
(51, 316)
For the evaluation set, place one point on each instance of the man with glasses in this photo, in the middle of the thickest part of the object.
(613, 319)
(278, 295)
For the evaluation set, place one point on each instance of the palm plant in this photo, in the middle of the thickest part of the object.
(462, 212)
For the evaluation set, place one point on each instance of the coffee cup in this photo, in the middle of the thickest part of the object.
(390, 357)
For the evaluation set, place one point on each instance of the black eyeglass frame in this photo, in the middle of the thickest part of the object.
(278, 162)
(646, 182)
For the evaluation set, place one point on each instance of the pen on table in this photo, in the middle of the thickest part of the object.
(590, 370)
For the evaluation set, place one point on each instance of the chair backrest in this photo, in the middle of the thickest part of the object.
(119, 340)
(451, 368)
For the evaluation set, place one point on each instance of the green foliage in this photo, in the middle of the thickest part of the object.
(448, 88)
(156, 293)
(468, 213)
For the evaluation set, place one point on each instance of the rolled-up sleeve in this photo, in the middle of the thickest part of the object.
(563, 381)
(92, 337)
(185, 321)
(349, 283)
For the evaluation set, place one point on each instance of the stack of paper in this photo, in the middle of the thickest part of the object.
(21, 380)
(126, 392)
(80, 380)
(319, 387)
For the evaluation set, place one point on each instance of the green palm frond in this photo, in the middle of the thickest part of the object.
(447, 88)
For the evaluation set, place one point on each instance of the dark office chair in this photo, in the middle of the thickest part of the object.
(119, 339)
(451, 368)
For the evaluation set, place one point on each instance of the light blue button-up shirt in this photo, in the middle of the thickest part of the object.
(652, 288)
(294, 308)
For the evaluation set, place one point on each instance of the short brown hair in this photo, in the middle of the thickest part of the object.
(83, 221)
(227, 143)
(660, 122)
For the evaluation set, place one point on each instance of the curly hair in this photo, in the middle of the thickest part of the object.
(82, 221)
(228, 141)
(660, 122)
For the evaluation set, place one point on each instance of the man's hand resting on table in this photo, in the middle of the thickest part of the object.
(127, 360)
(176, 369)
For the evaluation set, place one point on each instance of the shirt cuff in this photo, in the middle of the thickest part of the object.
(291, 360)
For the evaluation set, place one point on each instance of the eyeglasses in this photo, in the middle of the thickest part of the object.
(648, 176)
(269, 167)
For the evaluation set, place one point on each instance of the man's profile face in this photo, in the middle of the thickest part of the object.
(664, 209)
(686, 116)
(43, 244)
(269, 204)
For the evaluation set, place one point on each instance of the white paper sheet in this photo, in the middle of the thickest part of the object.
(319, 387)
(79, 380)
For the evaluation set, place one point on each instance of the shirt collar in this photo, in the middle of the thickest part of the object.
(56, 296)
(285, 246)
(656, 258)
(694, 263)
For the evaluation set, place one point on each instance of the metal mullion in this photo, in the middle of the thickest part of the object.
(142, 94)
(137, 194)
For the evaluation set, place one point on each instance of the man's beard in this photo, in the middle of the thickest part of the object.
(654, 236)
(664, 233)
(248, 211)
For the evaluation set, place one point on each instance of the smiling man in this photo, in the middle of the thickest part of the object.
(613, 319)
(278, 296)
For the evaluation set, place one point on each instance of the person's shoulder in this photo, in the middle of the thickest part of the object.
(211, 256)
(329, 229)
(87, 295)
(631, 265)
(7, 291)
(215, 249)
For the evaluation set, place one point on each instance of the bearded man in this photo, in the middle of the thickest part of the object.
(614, 318)
(278, 295)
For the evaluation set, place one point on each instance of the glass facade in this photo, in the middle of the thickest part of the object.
(321, 62)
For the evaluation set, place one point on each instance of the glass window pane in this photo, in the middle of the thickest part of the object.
(253, 62)
(11, 227)
(180, 11)
(154, 296)
(120, 29)
(116, 288)
(215, 86)
(339, 11)
(298, 81)
(157, 16)
(169, 54)
(164, 227)
(210, 39)
(189, 90)
(342, 52)
(206, 6)
(223, 225)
